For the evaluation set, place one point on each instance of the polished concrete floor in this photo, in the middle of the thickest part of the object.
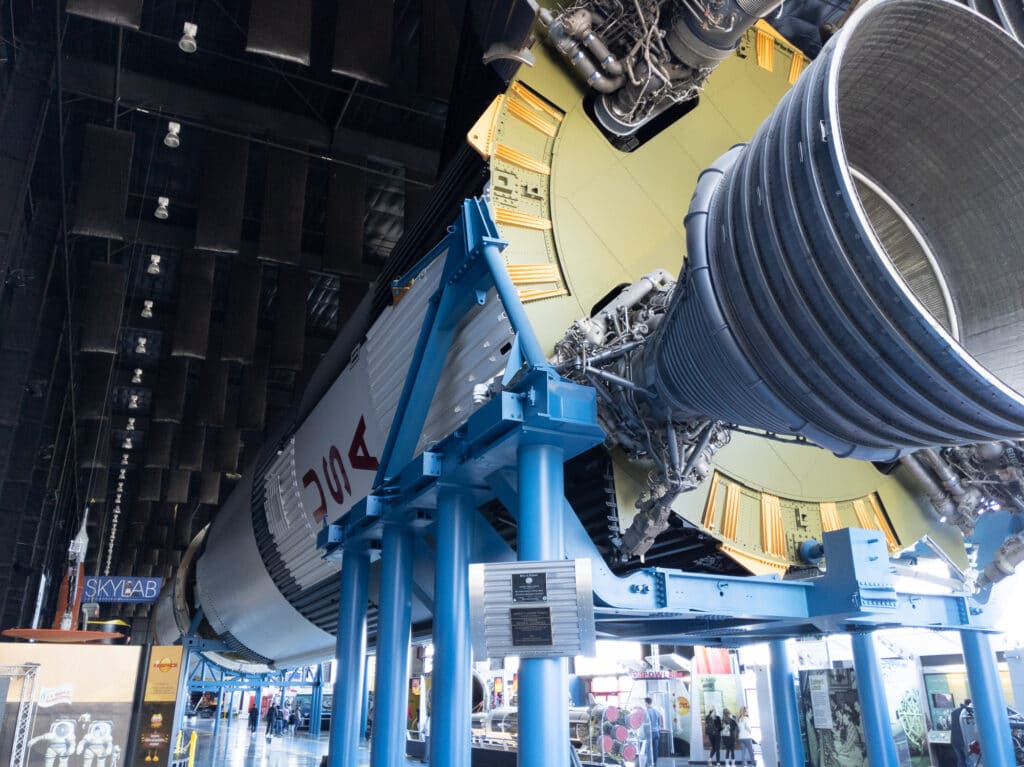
(235, 746)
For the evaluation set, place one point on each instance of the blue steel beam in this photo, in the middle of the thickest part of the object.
(543, 682)
(791, 747)
(351, 650)
(990, 713)
(874, 710)
(391, 686)
(450, 723)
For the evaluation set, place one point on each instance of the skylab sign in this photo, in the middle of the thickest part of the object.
(121, 589)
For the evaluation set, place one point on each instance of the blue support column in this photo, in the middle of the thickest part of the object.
(451, 708)
(391, 688)
(543, 682)
(316, 703)
(216, 715)
(350, 649)
(987, 694)
(791, 747)
(874, 710)
(364, 716)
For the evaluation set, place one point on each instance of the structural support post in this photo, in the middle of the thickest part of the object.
(316, 703)
(364, 716)
(391, 688)
(452, 694)
(791, 748)
(259, 708)
(874, 710)
(543, 682)
(989, 704)
(350, 649)
(216, 714)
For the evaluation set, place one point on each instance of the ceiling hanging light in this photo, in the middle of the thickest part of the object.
(124, 459)
(120, 487)
(131, 423)
(137, 376)
(161, 211)
(140, 345)
(133, 401)
(122, 474)
(173, 137)
(187, 42)
(147, 310)
(127, 443)
(154, 264)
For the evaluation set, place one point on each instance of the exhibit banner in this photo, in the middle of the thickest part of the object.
(830, 719)
(74, 703)
(163, 675)
(906, 710)
(108, 588)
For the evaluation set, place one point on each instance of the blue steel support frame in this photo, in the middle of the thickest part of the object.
(537, 410)
(216, 714)
(874, 710)
(451, 707)
(543, 682)
(990, 713)
(351, 650)
(787, 724)
(391, 686)
(364, 708)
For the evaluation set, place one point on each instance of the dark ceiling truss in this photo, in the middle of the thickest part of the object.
(369, 153)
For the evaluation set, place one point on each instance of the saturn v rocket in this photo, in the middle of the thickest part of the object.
(816, 329)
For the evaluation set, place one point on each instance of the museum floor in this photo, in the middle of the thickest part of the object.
(237, 747)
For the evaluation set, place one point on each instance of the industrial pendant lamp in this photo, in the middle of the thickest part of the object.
(173, 137)
(187, 42)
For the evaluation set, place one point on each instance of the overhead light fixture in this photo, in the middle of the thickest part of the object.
(133, 401)
(120, 487)
(127, 444)
(188, 39)
(140, 345)
(147, 310)
(122, 474)
(154, 264)
(124, 459)
(137, 376)
(131, 423)
(117, 498)
(173, 137)
(161, 211)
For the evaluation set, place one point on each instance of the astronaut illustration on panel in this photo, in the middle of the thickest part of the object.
(98, 744)
(59, 743)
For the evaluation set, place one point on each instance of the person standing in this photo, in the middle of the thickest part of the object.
(956, 732)
(271, 719)
(252, 718)
(729, 737)
(293, 720)
(746, 737)
(713, 727)
(653, 720)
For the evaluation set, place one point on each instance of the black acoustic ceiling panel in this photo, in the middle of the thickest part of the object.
(209, 480)
(124, 13)
(191, 443)
(195, 299)
(362, 40)
(150, 485)
(176, 488)
(229, 445)
(286, 350)
(104, 301)
(346, 209)
(280, 28)
(98, 486)
(159, 444)
(252, 394)
(169, 404)
(103, 182)
(93, 371)
(416, 198)
(284, 200)
(183, 529)
(222, 195)
(439, 49)
(242, 311)
(94, 445)
(213, 385)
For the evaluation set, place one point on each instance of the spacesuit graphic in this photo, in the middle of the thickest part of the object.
(60, 742)
(98, 744)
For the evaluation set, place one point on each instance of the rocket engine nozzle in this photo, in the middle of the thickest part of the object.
(853, 273)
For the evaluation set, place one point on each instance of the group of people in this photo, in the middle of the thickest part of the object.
(277, 718)
(726, 732)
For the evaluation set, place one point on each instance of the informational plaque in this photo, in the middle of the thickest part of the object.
(532, 609)
(531, 626)
(821, 706)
